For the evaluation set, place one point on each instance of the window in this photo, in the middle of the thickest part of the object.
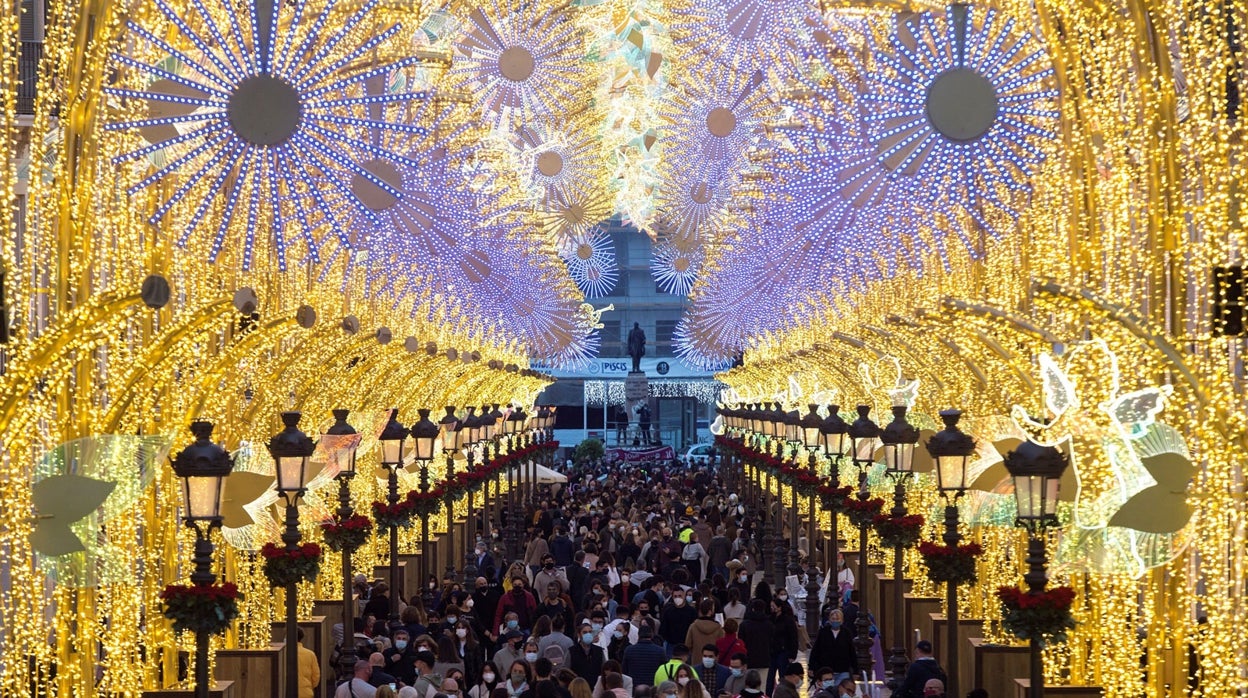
(612, 344)
(664, 330)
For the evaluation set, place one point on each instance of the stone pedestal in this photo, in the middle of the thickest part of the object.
(318, 637)
(969, 630)
(254, 673)
(918, 616)
(884, 618)
(997, 667)
(220, 689)
(411, 582)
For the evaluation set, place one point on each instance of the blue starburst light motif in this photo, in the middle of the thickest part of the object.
(713, 120)
(521, 61)
(591, 263)
(254, 112)
(964, 107)
(747, 35)
(675, 269)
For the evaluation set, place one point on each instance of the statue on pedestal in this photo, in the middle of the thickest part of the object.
(637, 346)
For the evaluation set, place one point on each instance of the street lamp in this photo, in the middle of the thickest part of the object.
(424, 437)
(863, 432)
(346, 471)
(793, 435)
(1037, 472)
(202, 467)
(899, 439)
(951, 448)
(835, 434)
(291, 450)
(393, 444)
(813, 440)
(447, 426)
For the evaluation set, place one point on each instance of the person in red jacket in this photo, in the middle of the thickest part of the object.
(729, 644)
(519, 601)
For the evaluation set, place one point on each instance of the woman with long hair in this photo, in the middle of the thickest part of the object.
(688, 685)
(469, 650)
(488, 681)
(579, 688)
(519, 680)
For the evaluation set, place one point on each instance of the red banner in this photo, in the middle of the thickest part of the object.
(635, 456)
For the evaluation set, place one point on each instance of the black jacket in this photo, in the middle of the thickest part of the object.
(674, 622)
(786, 636)
(756, 632)
(920, 671)
(586, 661)
(577, 574)
(836, 653)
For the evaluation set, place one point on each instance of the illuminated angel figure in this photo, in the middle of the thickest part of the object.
(522, 62)
(591, 264)
(675, 269)
(712, 121)
(745, 34)
(266, 97)
(966, 109)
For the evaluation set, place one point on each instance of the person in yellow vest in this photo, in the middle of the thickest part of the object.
(309, 669)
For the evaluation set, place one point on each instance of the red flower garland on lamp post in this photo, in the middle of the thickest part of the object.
(285, 567)
(1042, 617)
(209, 609)
(950, 564)
(898, 531)
(347, 534)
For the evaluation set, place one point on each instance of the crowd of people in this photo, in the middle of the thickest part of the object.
(635, 581)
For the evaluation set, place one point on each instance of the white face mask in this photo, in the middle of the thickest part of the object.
(461, 632)
(683, 680)
(487, 677)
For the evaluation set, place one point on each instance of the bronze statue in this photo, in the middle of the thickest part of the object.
(636, 346)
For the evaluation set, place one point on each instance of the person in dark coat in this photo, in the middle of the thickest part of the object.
(643, 659)
(757, 632)
(923, 667)
(834, 647)
(787, 686)
(561, 548)
(784, 647)
(585, 657)
(578, 579)
(676, 617)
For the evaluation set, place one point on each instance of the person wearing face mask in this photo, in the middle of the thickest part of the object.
(784, 647)
(688, 685)
(549, 574)
(834, 647)
(399, 658)
(531, 653)
(470, 651)
(490, 679)
(554, 603)
(617, 637)
(676, 617)
(934, 688)
(624, 592)
(518, 601)
(736, 676)
(789, 681)
(824, 684)
(586, 658)
(714, 676)
(667, 689)
(511, 649)
(519, 680)
(844, 576)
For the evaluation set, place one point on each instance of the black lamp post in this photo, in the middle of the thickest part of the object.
(951, 448)
(393, 442)
(863, 432)
(899, 439)
(793, 437)
(202, 467)
(291, 449)
(424, 442)
(346, 471)
(1037, 472)
(835, 434)
(446, 431)
(813, 440)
